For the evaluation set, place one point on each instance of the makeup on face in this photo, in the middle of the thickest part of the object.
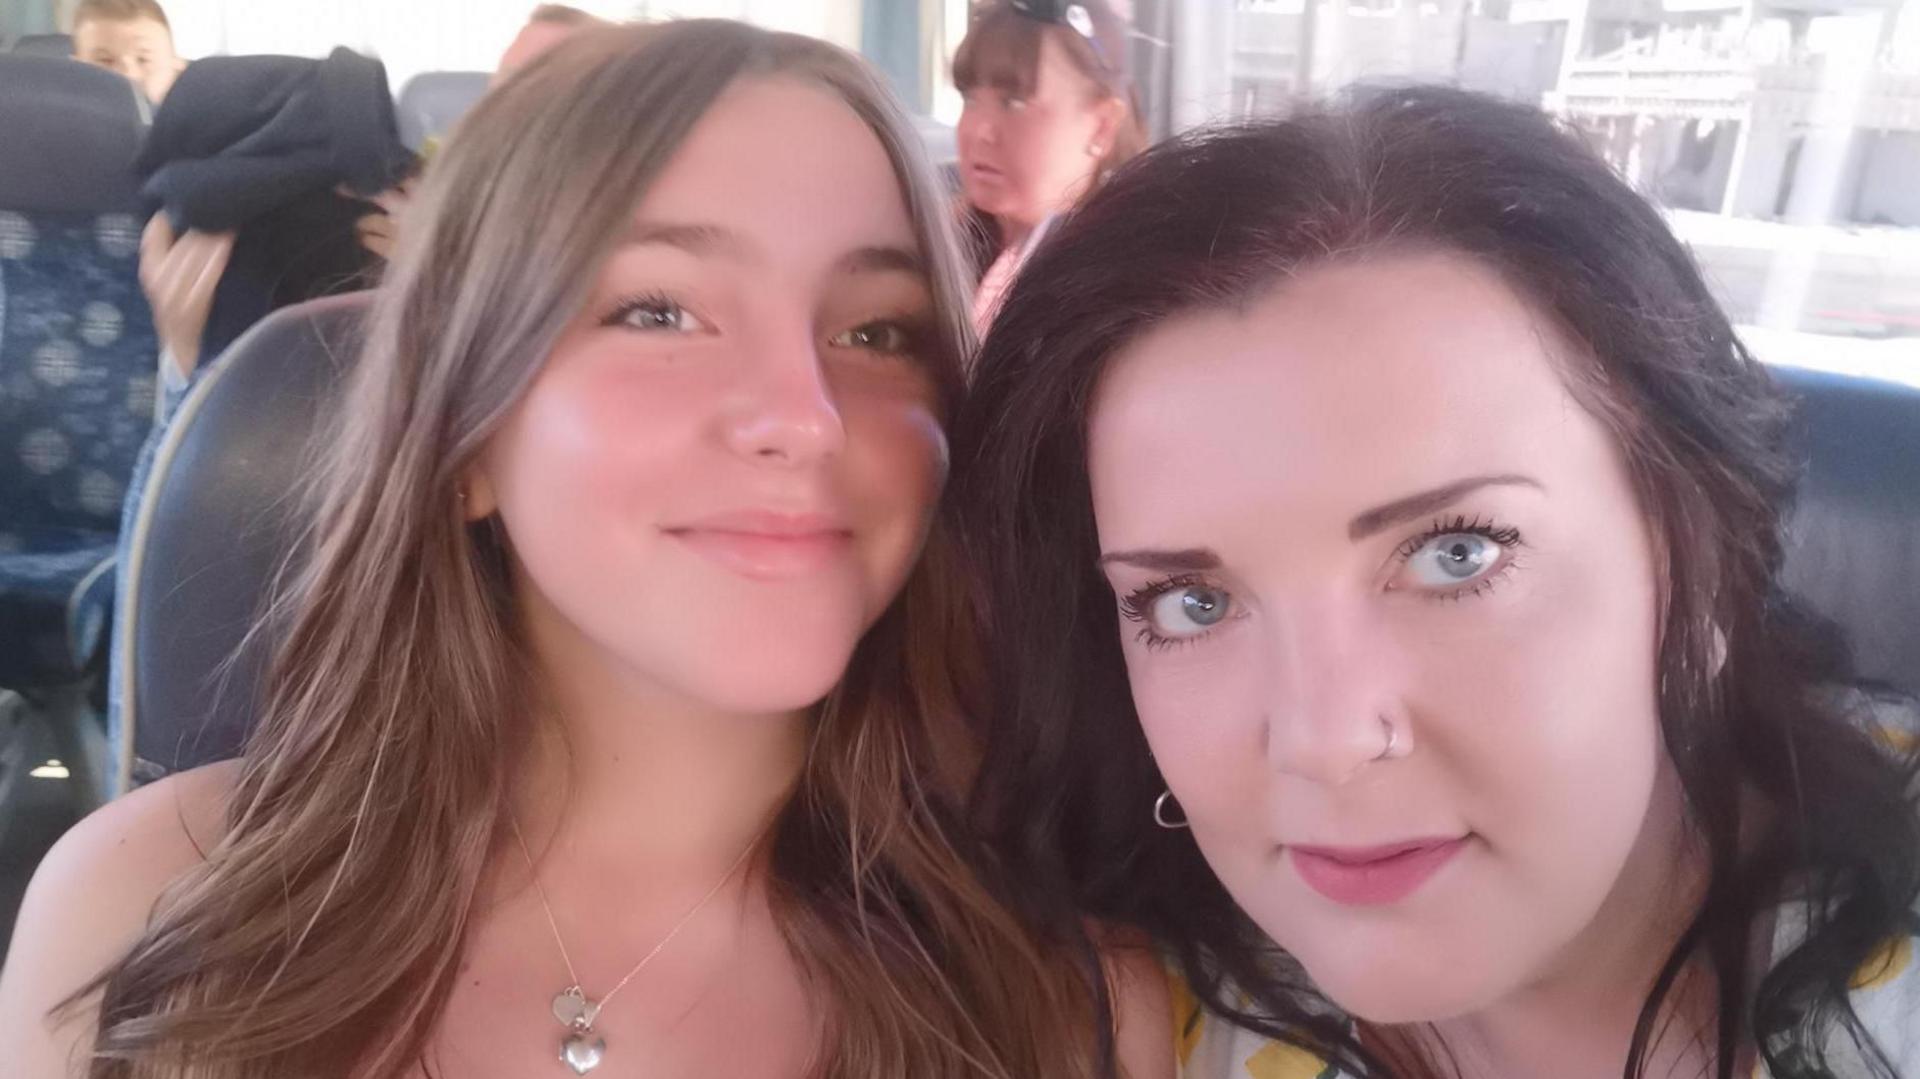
(724, 471)
(1387, 605)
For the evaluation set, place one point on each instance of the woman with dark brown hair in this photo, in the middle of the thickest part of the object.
(1381, 528)
(609, 693)
(1050, 110)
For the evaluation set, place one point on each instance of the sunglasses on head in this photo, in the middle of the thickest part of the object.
(1065, 13)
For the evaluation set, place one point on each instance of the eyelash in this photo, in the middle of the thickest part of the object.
(1508, 539)
(1134, 606)
(914, 332)
(627, 305)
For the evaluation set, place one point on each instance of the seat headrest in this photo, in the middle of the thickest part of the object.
(54, 45)
(1854, 542)
(433, 101)
(215, 525)
(70, 132)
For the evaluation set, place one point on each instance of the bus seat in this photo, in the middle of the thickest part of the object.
(1854, 542)
(58, 46)
(433, 101)
(77, 359)
(212, 529)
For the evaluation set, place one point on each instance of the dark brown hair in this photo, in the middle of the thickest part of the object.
(324, 932)
(118, 11)
(1068, 786)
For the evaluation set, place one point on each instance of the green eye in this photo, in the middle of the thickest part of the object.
(884, 337)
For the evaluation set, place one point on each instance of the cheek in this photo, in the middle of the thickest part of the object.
(588, 441)
(1200, 708)
(1545, 716)
(896, 467)
(1033, 147)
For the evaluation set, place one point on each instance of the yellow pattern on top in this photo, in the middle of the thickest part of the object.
(1280, 1061)
(1887, 962)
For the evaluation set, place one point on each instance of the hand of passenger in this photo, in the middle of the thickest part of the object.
(380, 232)
(179, 275)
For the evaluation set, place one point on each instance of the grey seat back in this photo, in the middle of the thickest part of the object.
(433, 101)
(216, 523)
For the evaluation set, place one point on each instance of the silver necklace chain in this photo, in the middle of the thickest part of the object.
(583, 1049)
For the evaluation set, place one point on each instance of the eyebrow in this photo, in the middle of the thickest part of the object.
(882, 259)
(715, 241)
(693, 239)
(1414, 506)
(1183, 560)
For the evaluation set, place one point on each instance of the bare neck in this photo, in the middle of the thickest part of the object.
(1014, 234)
(636, 781)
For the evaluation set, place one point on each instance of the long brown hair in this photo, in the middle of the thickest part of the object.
(322, 934)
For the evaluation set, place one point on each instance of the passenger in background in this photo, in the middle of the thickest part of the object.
(131, 37)
(549, 25)
(285, 152)
(1050, 110)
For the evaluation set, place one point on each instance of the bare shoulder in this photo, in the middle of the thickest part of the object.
(89, 901)
(1142, 1004)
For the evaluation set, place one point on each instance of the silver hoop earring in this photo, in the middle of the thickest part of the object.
(1393, 739)
(1160, 813)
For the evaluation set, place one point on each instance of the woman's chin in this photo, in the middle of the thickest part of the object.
(1387, 995)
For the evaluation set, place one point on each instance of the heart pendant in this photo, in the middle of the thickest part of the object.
(573, 1009)
(583, 1051)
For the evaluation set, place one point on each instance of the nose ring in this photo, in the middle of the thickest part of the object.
(1393, 739)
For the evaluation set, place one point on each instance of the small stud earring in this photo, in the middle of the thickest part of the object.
(1094, 149)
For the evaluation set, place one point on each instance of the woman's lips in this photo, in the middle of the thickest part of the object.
(1373, 876)
(983, 172)
(764, 545)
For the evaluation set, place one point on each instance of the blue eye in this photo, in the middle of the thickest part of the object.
(654, 314)
(1190, 611)
(1455, 557)
(1179, 610)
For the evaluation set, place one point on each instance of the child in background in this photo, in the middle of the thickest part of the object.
(131, 37)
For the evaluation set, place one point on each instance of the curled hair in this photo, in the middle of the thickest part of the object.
(1215, 217)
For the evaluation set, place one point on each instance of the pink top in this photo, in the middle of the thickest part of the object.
(999, 278)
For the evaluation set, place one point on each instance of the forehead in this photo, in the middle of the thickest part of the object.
(1017, 55)
(119, 33)
(1354, 383)
(788, 164)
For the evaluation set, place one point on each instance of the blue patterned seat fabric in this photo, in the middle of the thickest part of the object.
(77, 373)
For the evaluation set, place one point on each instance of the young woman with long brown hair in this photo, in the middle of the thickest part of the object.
(610, 690)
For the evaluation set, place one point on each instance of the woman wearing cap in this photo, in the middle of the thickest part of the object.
(1050, 110)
